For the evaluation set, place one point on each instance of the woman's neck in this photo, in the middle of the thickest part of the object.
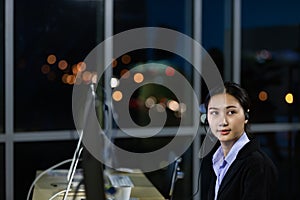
(226, 146)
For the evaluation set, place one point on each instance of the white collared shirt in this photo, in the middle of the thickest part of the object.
(221, 164)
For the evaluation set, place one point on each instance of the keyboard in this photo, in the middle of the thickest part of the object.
(118, 180)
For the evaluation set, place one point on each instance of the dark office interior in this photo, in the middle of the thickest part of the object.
(43, 46)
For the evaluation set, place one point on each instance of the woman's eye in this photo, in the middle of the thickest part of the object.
(231, 112)
(213, 112)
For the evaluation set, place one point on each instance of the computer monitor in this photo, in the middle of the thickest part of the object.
(93, 175)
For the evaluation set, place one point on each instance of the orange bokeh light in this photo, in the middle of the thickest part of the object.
(62, 65)
(87, 76)
(81, 66)
(64, 78)
(125, 73)
(126, 59)
(117, 95)
(45, 69)
(114, 63)
(51, 59)
(138, 77)
(170, 71)
(263, 96)
(74, 69)
(70, 79)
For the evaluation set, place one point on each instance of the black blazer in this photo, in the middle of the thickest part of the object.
(251, 176)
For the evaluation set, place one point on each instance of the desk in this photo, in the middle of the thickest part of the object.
(55, 181)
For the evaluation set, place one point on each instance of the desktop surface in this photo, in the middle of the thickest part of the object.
(56, 181)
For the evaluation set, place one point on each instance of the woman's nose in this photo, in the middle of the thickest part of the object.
(223, 121)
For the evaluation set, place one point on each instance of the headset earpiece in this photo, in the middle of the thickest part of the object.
(203, 114)
(203, 118)
(247, 115)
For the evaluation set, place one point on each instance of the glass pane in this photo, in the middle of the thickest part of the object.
(130, 14)
(2, 66)
(52, 38)
(2, 172)
(32, 156)
(271, 59)
(213, 30)
(217, 36)
(283, 149)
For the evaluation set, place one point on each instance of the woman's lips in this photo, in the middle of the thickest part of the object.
(224, 132)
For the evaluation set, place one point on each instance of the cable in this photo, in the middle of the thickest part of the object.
(58, 193)
(43, 173)
(75, 155)
(199, 174)
(78, 188)
(90, 103)
(72, 175)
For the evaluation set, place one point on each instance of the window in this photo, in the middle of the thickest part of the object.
(270, 68)
(130, 14)
(283, 149)
(217, 37)
(2, 112)
(2, 172)
(271, 59)
(51, 40)
(213, 31)
(37, 156)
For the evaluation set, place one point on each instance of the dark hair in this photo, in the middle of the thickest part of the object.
(236, 91)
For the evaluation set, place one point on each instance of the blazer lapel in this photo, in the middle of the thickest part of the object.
(236, 165)
(233, 169)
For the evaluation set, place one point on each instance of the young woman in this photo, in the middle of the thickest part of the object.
(237, 169)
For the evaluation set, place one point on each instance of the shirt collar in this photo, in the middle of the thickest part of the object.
(237, 146)
(218, 156)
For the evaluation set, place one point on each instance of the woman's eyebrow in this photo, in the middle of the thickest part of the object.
(213, 108)
(231, 107)
(227, 107)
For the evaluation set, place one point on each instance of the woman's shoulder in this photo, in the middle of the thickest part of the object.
(255, 156)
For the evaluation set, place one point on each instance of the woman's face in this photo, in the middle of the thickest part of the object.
(226, 117)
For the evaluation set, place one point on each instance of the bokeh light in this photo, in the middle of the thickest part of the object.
(138, 77)
(170, 71)
(94, 78)
(263, 95)
(62, 65)
(51, 59)
(117, 95)
(45, 69)
(126, 59)
(125, 73)
(182, 107)
(74, 69)
(87, 76)
(114, 82)
(64, 78)
(150, 102)
(289, 98)
(70, 79)
(81, 66)
(114, 63)
(173, 105)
